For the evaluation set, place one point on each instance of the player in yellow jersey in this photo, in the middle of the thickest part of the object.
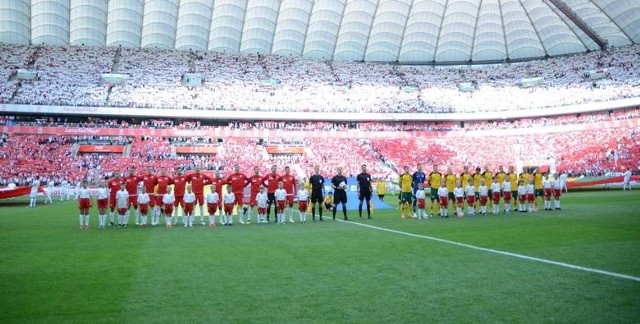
(512, 177)
(477, 179)
(488, 179)
(406, 192)
(537, 186)
(435, 178)
(465, 177)
(450, 183)
(524, 175)
(381, 189)
(501, 175)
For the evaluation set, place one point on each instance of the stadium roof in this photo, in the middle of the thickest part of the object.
(353, 30)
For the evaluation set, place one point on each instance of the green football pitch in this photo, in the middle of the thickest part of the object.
(583, 266)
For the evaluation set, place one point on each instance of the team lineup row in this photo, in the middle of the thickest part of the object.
(161, 194)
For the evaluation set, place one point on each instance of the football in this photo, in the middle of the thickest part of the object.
(342, 185)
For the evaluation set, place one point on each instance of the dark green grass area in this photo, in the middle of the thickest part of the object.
(50, 271)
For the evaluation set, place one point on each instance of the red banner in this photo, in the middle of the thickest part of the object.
(603, 181)
(119, 149)
(16, 192)
(196, 150)
(285, 150)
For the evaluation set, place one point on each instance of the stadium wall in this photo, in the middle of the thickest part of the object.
(316, 116)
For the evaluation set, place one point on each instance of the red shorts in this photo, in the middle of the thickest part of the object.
(459, 200)
(188, 209)
(157, 200)
(471, 199)
(133, 201)
(547, 193)
(531, 198)
(262, 210)
(144, 209)
(556, 193)
(280, 206)
(199, 198)
(212, 208)
(483, 200)
(179, 201)
(84, 203)
(102, 203)
(507, 196)
(290, 200)
(522, 198)
(239, 198)
(122, 211)
(168, 210)
(112, 202)
(252, 200)
(422, 203)
(302, 206)
(228, 208)
(496, 197)
(444, 202)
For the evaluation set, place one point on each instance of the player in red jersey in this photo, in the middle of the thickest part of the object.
(131, 185)
(255, 182)
(114, 185)
(218, 182)
(238, 181)
(179, 185)
(289, 185)
(163, 182)
(198, 180)
(271, 182)
(149, 182)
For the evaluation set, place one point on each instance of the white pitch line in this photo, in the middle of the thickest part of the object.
(515, 255)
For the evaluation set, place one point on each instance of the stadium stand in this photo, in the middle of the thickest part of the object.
(71, 76)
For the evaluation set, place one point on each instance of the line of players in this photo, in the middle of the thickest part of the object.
(481, 190)
(147, 193)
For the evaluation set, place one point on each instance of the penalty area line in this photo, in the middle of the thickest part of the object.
(515, 255)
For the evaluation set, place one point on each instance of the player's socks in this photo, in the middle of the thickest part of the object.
(211, 220)
(111, 217)
(168, 221)
(81, 220)
(86, 220)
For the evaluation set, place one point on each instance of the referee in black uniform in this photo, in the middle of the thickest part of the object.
(339, 193)
(317, 188)
(364, 190)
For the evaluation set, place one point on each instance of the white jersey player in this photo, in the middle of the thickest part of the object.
(421, 202)
(626, 181)
(49, 192)
(303, 200)
(64, 190)
(506, 195)
(33, 194)
(122, 204)
(281, 198)
(262, 200)
(470, 192)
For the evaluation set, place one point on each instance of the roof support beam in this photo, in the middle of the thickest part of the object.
(580, 23)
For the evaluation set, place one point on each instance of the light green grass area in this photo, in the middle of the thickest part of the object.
(51, 271)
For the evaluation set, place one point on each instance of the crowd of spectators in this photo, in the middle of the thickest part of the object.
(71, 76)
